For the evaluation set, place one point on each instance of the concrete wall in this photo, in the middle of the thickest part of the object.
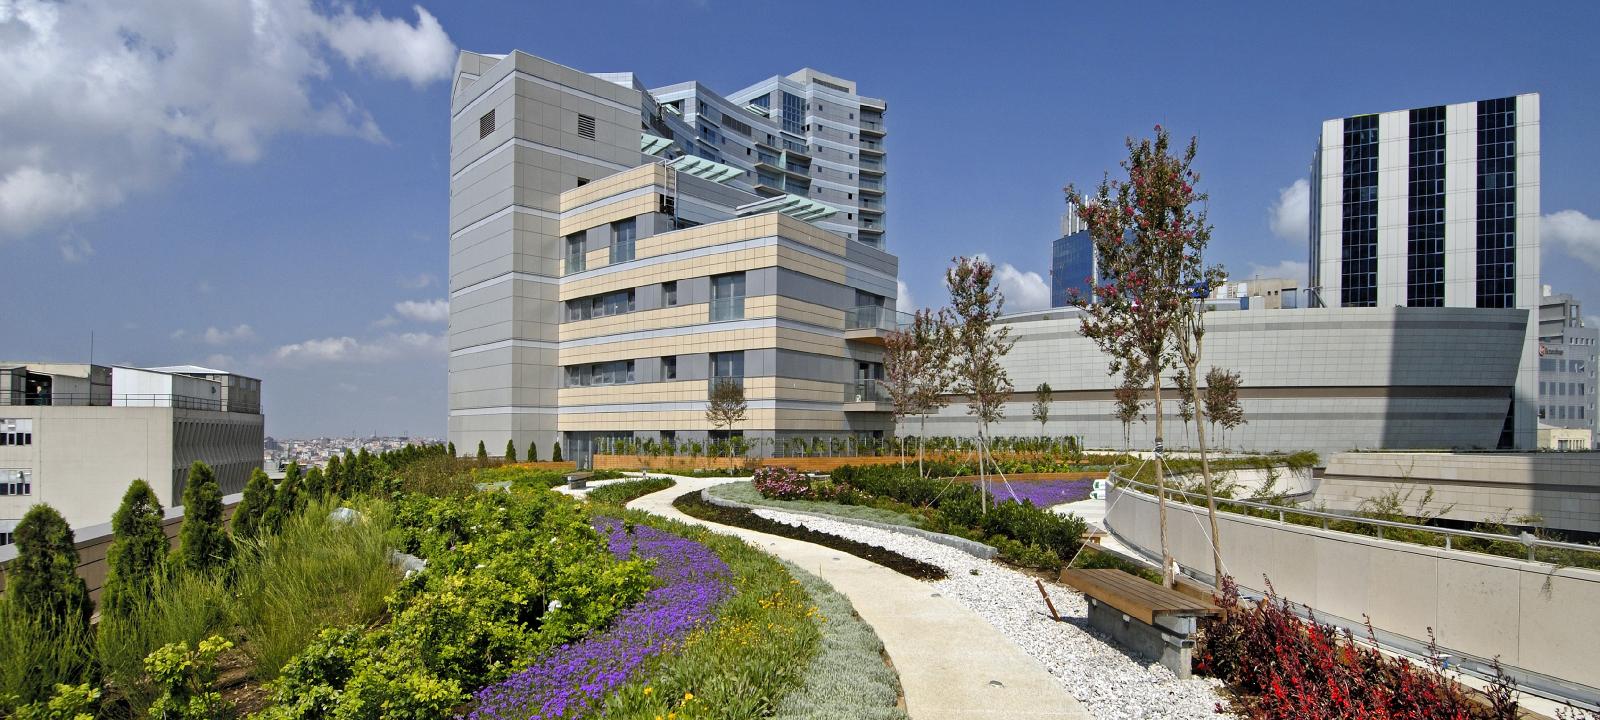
(1533, 616)
(1561, 488)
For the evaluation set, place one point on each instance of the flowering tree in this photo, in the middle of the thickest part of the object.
(977, 349)
(1149, 240)
(916, 368)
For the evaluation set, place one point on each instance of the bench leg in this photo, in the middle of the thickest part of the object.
(1171, 641)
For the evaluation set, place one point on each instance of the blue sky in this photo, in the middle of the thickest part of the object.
(192, 186)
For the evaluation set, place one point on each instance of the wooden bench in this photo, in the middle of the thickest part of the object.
(1142, 616)
(578, 480)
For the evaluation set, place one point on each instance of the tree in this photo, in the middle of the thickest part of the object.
(978, 347)
(333, 477)
(138, 552)
(258, 496)
(916, 366)
(203, 546)
(1129, 401)
(1185, 401)
(1149, 242)
(1041, 406)
(533, 451)
(483, 455)
(555, 452)
(511, 451)
(317, 482)
(1221, 400)
(42, 582)
(726, 406)
(452, 450)
(286, 502)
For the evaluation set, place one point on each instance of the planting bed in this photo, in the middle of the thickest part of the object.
(1042, 493)
(693, 505)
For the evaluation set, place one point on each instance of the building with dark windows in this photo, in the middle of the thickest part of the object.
(618, 253)
(1073, 264)
(1434, 207)
(1567, 357)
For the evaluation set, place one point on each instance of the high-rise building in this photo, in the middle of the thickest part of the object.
(74, 435)
(1434, 207)
(616, 253)
(1073, 264)
(1567, 365)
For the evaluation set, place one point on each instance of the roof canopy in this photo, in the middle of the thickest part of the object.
(706, 169)
(791, 205)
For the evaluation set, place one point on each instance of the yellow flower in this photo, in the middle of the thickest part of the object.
(688, 696)
(649, 690)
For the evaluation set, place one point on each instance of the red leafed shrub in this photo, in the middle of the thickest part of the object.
(781, 484)
(1277, 665)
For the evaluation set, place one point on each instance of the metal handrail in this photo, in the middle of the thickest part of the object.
(1528, 540)
(876, 317)
(184, 402)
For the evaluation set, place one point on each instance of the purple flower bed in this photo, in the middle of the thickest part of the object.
(572, 678)
(1043, 493)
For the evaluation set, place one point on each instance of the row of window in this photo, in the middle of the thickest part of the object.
(1557, 389)
(1562, 412)
(727, 300)
(621, 372)
(623, 239)
(1562, 365)
(1497, 203)
(1425, 209)
(16, 438)
(16, 431)
(16, 482)
(1358, 286)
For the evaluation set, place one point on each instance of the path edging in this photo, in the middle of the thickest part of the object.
(970, 547)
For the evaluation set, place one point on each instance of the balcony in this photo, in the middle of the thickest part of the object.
(872, 125)
(872, 205)
(872, 146)
(724, 309)
(871, 165)
(871, 184)
(867, 395)
(873, 323)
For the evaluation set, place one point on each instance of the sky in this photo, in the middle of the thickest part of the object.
(263, 186)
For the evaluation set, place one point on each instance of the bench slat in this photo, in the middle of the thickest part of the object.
(1135, 596)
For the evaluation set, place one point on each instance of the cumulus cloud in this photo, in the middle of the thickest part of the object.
(1288, 270)
(219, 361)
(239, 333)
(1577, 234)
(426, 311)
(1024, 289)
(103, 99)
(902, 294)
(346, 349)
(1290, 217)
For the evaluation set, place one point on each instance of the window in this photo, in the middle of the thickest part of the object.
(794, 110)
(622, 234)
(669, 293)
(669, 367)
(727, 297)
(762, 101)
(16, 482)
(1497, 203)
(1358, 286)
(599, 306)
(16, 431)
(583, 181)
(575, 253)
(586, 127)
(736, 126)
(727, 364)
(485, 125)
(618, 372)
(1425, 209)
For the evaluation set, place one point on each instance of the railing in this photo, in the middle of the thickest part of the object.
(872, 145)
(1281, 512)
(873, 165)
(713, 383)
(797, 167)
(163, 400)
(871, 183)
(727, 309)
(876, 317)
(871, 204)
(767, 158)
(866, 390)
(876, 125)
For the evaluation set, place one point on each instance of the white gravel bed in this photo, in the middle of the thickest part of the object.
(1110, 684)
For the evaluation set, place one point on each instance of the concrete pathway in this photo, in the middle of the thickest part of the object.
(953, 664)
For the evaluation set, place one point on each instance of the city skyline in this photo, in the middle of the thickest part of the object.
(301, 238)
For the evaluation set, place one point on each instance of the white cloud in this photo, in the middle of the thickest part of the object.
(417, 282)
(1024, 290)
(75, 249)
(1288, 270)
(425, 311)
(386, 321)
(1290, 217)
(1577, 234)
(346, 349)
(902, 294)
(219, 361)
(103, 99)
(240, 333)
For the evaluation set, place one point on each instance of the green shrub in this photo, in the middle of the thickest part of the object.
(138, 552)
(203, 545)
(70, 702)
(184, 678)
(253, 507)
(624, 492)
(182, 607)
(36, 656)
(511, 451)
(555, 452)
(42, 582)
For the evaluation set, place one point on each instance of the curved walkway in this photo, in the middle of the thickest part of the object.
(953, 664)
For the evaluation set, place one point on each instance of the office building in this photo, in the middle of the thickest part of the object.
(616, 251)
(1073, 263)
(74, 435)
(1434, 207)
(1323, 379)
(1567, 359)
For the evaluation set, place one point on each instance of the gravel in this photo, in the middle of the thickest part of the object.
(1110, 684)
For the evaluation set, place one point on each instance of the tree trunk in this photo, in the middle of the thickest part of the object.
(921, 432)
(1205, 472)
(983, 480)
(1167, 579)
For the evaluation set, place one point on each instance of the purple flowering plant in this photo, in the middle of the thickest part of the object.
(1043, 493)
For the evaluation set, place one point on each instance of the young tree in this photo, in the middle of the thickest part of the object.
(203, 546)
(42, 582)
(1149, 241)
(316, 485)
(258, 496)
(451, 448)
(916, 366)
(286, 500)
(978, 347)
(555, 452)
(1129, 401)
(1185, 403)
(1221, 400)
(1041, 406)
(726, 406)
(483, 455)
(333, 477)
(138, 552)
(511, 451)
(533, 451)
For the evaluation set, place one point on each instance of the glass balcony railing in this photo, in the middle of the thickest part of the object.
(727, 309)
(871, 165)
(871, 183)
(866, 390)
(871, 124)
(872, 145)
(875, 317)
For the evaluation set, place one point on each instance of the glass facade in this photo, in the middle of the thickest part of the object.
(1072, 267)
(1497, 203)
(794, 113)
(1425, 210)
(1358, 275)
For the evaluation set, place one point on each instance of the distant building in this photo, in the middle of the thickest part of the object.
(1434, 207)
(74, 435)
(1260, 294)
(1567, 360)
(1073, 263)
